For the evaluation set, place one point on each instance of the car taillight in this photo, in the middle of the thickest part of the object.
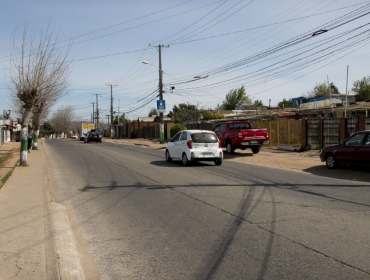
(99, 136)
(240, 134)
(219, 144)
(189, 144)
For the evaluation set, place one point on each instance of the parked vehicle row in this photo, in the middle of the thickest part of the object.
(353, 150)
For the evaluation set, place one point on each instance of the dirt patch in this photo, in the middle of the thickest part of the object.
(11, 155)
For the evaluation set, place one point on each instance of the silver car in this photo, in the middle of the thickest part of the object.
(194, 145)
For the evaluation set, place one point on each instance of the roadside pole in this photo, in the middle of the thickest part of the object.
(161, 124)
(111, 109)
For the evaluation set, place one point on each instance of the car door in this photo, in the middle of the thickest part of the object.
(221, 133)
(349, 152)
(171, 147)
(365, 150)
(181, 144)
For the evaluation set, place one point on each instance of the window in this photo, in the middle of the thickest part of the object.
(231, 126)
(184, 136)
(216, 128)
(177, 137)
(356, 140)
(367, 141)
(204, 137)
(237, 126)
(223, 126)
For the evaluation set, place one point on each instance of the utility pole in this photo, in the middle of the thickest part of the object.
(331, 104)
(93, 114)
(345, 108)
(111, 109)
(161, 125)
(108, 117)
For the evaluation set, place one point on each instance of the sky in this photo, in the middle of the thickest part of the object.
(276, 49)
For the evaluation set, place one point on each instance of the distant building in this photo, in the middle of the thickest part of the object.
(322, 101)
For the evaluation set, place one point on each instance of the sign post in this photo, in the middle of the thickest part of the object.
(161, 108)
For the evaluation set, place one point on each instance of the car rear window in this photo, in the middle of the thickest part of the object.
(96, 133)
(204, 137)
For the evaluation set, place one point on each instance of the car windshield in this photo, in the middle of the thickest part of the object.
(204, 137)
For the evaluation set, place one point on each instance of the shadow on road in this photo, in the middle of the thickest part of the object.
(352, 173)
(178, 163)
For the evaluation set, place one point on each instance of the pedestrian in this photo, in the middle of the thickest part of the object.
(29, 139)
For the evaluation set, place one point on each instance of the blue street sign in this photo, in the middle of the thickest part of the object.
(161, 106)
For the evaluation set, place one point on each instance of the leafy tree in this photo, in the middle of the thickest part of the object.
(287, 103)
(236, 99)
(176, 128)
(122, 119)
(362, 89)
(257, 103)
(47, 127)
(209, 115)
(152, 112)
(322, 89)
(185, 112)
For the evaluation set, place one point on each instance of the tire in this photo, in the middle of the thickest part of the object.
(168, 157)
(218, 161)
(256, 149)
(229, 148)
(331, 161)
(185, 160)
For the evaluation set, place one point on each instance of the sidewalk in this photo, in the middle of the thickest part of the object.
(26, 244)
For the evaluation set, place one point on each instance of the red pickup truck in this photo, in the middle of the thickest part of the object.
(240, 135)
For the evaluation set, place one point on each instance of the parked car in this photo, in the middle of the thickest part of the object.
(93, 136)
(194, 145)
(240, 135)
(353, 150)
(74, 136)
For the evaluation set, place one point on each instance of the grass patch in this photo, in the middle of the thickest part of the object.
(7, 156)
(6, 177)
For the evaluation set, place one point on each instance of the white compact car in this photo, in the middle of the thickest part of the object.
(194, 145)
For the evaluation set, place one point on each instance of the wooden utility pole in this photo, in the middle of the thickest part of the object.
(161, 124)
(111, 109)
(345, 108)
(93, 114)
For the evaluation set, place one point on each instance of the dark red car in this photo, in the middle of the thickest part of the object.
(354, 150)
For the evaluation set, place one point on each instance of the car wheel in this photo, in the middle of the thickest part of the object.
(331, 161)
(168, 157)
(256, 150)
(185, 160)
(218, 161)
(229, 148)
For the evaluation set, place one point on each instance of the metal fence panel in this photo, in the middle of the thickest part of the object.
(331, 131)
(352, 126)
(314, 133)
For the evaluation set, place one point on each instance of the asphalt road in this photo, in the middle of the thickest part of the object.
(144, 218)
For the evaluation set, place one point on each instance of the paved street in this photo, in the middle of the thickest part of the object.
(143, 218)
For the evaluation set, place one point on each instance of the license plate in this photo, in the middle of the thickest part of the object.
(253, 142)
(206, 154)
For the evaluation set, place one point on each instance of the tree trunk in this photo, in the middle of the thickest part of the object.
(24, 140)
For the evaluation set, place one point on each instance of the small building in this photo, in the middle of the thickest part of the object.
(322, 101)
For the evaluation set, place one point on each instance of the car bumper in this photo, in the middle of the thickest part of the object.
(199, 156)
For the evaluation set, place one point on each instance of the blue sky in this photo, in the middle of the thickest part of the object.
(234, 42)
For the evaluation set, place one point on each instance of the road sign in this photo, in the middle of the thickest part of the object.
(161, 106)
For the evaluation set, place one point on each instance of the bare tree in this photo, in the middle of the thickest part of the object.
(62, 120)
(39, 73)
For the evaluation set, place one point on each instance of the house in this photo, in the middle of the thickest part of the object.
(6, 129)
(322, 101)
